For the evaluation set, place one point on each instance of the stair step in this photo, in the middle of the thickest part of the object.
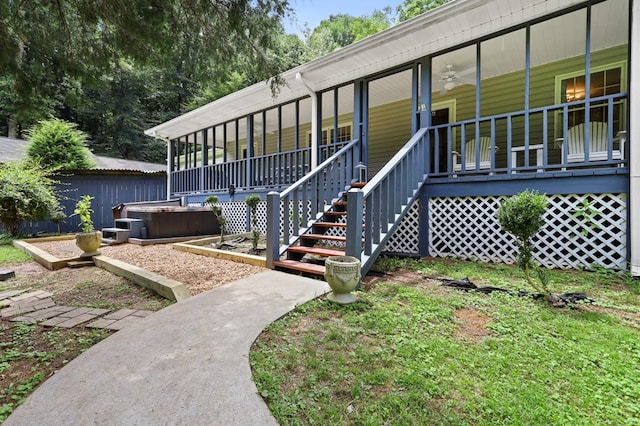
(330, 225)
(310, 268)
(323, 237)
(358, 184)
(332, 213)
(324, 252)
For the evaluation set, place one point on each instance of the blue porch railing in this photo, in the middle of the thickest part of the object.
(290, 212)
(271, 171)
(535, 140)
(375, 211)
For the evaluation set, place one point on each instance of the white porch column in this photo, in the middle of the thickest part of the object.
(633, 136)
(168, 170)
(314, 121)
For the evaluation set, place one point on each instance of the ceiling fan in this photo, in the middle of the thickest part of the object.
(451, 78)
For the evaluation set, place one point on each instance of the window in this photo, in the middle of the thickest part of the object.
(344, 135)
(606, 80)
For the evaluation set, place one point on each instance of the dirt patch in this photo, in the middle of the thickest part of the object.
(86, 287)
(198, 273)
(472, 325)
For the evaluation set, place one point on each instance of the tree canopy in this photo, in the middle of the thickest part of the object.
(343, 30)
(411, 8)
(117, 68)
(45, 44)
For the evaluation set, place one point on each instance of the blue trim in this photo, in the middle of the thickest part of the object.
(550, 183)
(423, 233)
(425, 96)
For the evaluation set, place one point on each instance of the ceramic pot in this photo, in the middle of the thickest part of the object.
(89, 242)
(342, 273)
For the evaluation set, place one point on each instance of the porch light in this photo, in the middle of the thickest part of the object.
(361, 171)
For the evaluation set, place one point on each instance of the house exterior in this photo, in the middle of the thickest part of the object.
(442, 116)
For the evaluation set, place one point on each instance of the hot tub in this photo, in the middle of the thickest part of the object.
(175, 221)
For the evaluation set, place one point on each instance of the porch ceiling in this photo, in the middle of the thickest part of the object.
(450, 25)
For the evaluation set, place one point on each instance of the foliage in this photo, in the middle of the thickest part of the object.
(521, 216)
(52, 49)
(58, 144)
(412, 8)
(212, 200)
(402, 348)
(84, 211)
(586, 215)
(58, 216)
(342, 30)
(252, 201)
(27, 192)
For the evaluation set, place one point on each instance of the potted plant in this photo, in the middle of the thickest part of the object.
(89, 239)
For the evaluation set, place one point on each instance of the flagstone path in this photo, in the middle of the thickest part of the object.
(38, 307)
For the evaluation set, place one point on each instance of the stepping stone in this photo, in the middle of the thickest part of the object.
(44, 314)
(10, 293)
(119, 314)
(74, 317)
(5, 274)
(26, 306)
(80, 263)
(120, 319)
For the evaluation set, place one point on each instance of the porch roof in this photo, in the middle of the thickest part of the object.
(445, 27)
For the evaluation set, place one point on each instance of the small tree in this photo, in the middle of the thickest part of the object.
(58, 144)
(212, 200)
(27, 192)
(252, 201)
(521, 216)
(57, 217)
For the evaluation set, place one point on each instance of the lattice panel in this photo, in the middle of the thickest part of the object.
(235, 212)
(406, 239)
(467, 227)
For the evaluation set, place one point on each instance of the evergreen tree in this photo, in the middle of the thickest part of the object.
(57, 144)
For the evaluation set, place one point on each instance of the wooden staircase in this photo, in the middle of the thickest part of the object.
(318, 243)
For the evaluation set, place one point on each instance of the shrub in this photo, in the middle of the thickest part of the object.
(212, 200)
(252, 201)
(27, 192)
(521, 216)
(58, 144)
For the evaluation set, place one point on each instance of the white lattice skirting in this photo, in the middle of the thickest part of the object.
(466, 227)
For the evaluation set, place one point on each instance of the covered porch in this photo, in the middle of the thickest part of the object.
(521, 101)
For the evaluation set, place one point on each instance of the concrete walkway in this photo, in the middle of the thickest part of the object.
(184, 365)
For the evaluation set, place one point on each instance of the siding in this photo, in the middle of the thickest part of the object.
(108, 190)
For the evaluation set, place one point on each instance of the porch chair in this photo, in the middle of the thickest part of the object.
(470, 153)
(597, 145)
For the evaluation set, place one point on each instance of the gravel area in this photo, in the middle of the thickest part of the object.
(198, 273)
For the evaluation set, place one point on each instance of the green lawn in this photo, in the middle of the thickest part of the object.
(10, 254)
(421, 354)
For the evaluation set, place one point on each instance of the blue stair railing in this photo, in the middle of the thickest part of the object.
(292, 212)
(375, 211)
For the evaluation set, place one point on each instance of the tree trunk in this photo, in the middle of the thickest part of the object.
(12, 128)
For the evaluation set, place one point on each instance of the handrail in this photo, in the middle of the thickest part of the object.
(290, 212)
(375, 211)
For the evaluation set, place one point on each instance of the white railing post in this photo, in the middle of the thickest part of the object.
(273, 228)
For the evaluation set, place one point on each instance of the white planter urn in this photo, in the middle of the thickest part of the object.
(89, 243)
(342, 273)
